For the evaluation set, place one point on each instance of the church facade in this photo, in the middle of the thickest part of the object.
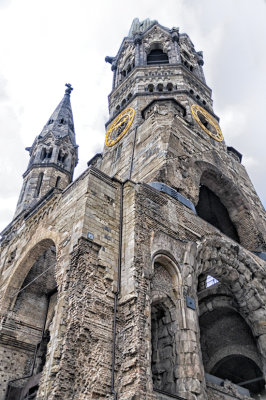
(145, 277)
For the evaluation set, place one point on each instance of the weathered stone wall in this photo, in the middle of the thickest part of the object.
(81, 363)
(70, 216)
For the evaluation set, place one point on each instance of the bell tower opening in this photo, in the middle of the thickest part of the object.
(157, 56)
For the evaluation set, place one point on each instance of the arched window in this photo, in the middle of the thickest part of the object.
(169, 87)
(160, 87)
(157, 56)
(211, 209)
(150, 88)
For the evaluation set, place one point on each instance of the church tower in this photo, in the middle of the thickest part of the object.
(145, 278)
(53, 156)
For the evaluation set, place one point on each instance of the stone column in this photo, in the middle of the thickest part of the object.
(137, 42)
(200, 63)
(175, 39)
(114, 69)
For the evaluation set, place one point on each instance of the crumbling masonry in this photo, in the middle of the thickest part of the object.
(145, 277)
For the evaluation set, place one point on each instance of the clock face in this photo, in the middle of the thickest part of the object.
(119, 127)
(207, 122)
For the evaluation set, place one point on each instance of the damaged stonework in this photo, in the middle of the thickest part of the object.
(111, 288)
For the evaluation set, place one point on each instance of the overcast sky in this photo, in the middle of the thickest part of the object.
(46, 43)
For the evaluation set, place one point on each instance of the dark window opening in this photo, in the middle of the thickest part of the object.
(225, 337)
(57, 181)
(62, 121)
(49, 153)
(124, 102)
(163, 361)
(191, 91)
(50, 121)
(191, 68)
(150, 88)
(204, 102)
(61, 156)
(129, 96)
(157, 56)
(43, 154)
(240, 370)
(211, 209)
(169, 87)
(186, 54)
(160, 87)
(39, 184)
(46, 153)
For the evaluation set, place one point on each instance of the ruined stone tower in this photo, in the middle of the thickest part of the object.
(145, 277)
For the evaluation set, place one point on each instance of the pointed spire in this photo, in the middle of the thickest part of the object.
(61, 122)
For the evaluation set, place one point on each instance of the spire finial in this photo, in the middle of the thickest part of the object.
(69, 88)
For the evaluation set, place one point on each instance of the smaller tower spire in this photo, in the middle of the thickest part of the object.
(53, 155)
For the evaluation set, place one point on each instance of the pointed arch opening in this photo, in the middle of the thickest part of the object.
(31, 317)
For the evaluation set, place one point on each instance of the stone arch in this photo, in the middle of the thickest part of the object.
(31, 305)
(236, 268)
(168, 261)
(34, 249)
(241, 274)
(234, 202)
